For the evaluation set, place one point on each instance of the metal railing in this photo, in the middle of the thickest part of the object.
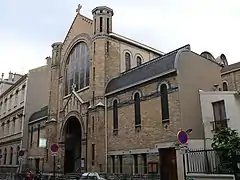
(218, 124)
(209, 162)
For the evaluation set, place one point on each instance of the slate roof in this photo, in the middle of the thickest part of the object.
(145, 71)
(231, 67)
(39, 114)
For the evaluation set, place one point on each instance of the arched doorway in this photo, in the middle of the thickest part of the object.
(73, 136)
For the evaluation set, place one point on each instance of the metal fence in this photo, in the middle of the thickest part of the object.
(12, 176)
(108, 176)
(212, 162)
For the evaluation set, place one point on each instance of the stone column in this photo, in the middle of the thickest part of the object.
(116, 163)
(84, 158)
(133, 164)
(62, 156)
(140, 164)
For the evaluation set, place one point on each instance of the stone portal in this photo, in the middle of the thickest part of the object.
(73, 145)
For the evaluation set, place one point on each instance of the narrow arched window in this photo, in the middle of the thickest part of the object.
(137, 109)
(5, 156)
(101, 24)
(108, 25)
(38, 135)
(11, 156)
(139, 61)
(31, 137)
(77, 69)
(17, 159)
(8, 127)
(225, 86)
(127, 61)
(164, 102)
(0, 156)
(115, 115)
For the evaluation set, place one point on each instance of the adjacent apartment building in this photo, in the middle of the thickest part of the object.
(12, 107)
(36, 115)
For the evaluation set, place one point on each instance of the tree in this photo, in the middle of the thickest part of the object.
(226, 139)
(226, 142)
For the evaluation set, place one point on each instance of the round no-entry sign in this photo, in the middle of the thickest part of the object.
(54, 148)
(21, 153)
(182, 137)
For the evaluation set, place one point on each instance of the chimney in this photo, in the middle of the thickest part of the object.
(48, 59)
(215, 87)
(10, 76)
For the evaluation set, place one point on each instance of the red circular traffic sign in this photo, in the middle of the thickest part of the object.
(21, 153)
(182, 137)
(54, 148)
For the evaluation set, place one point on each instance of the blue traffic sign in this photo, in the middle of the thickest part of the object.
(182, 137)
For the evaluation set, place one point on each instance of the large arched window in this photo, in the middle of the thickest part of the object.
(127, 61)
(164, 102)
(78, 67)
(225, 86)
(137, 109)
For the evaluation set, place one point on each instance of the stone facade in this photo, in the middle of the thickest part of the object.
(232, 79)
(86, 104)
(12, 103)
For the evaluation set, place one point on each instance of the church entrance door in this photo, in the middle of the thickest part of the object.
(72, 158)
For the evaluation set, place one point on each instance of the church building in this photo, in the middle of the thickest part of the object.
(116, 105)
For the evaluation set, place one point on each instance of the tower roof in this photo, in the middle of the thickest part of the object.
(104, 9)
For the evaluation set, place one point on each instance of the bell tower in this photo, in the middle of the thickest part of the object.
(102, 20)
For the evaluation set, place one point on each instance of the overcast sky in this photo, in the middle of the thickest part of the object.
(29, 27)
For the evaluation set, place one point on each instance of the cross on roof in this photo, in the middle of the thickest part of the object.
(73, 87)
(79, 8)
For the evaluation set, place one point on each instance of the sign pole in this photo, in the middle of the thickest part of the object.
(54, 149)
(54, 167)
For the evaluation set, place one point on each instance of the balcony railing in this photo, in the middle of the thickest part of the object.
(219, 124)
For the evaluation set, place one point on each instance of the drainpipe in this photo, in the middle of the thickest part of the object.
(106, 137)
(86, 135)
(22, 127)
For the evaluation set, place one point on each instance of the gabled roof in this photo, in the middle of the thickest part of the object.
(154, 68)
(39, 114)
(231, 67)
(75, 18)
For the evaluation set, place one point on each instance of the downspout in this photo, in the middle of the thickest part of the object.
(86, 160)
(24, 111)
(204, 135)
(22, 125)
(106, 133)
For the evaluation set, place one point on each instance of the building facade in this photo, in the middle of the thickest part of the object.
(12, 109)
(116, 105)
(36, 108)
(219, 109)
(231, 77)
